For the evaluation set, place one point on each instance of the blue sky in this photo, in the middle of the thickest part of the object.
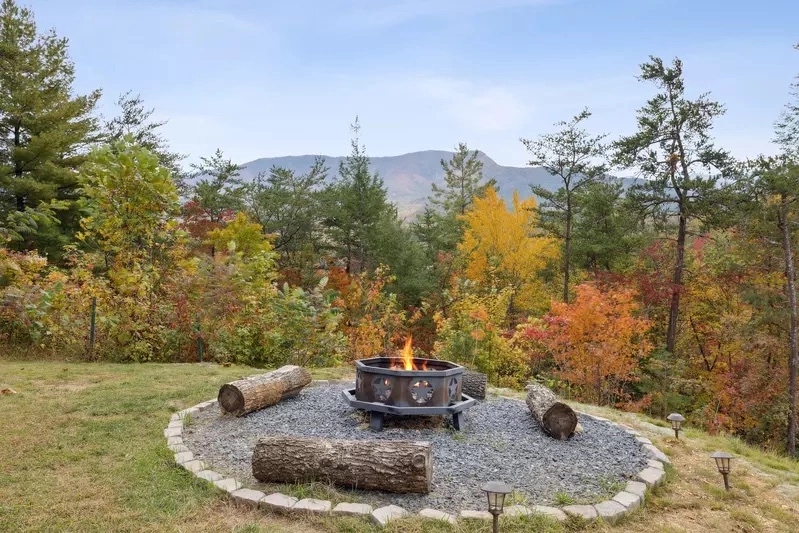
(268, 78)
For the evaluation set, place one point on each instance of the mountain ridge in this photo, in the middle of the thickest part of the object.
(409, 177)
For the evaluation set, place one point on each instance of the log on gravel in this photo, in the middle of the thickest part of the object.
(256, 392)
(388, 465)
(557, 419)
(474, 384)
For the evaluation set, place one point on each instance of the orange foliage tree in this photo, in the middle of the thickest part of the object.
(597, 342)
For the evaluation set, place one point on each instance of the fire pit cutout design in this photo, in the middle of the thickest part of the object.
(408, 386)
(454, 387)
(421, 391)
(382, 388)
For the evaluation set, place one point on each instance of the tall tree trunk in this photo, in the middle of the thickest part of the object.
(18, 169)
(567, 250)
(793, 361)
(676, 286)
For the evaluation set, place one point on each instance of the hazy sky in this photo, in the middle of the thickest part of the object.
(268, 78)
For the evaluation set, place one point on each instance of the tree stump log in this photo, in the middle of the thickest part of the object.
(474, 384)
(557, 419)
(391, 465)
(256, 392)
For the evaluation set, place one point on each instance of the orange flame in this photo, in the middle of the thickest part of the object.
(406, 357)
(407, 354)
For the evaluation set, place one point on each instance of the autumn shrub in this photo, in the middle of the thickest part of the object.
(472, 332)
(372, 319)
(596, 342)
(154, 301)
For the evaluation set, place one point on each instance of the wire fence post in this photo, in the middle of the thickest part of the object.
(93, 323)
(199, 343)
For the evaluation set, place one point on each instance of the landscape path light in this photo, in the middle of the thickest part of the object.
(723, 464)
(496, 492)
(676, 420)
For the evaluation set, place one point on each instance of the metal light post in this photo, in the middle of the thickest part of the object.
(723, 464)
(676, 420)
(496, 492)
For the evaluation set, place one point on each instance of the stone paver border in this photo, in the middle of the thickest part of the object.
(610, 511)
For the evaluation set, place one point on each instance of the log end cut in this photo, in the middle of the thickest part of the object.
(560, 421)
(231, 399)
(557, 419)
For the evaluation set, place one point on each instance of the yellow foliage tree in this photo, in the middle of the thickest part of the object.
(503, 247)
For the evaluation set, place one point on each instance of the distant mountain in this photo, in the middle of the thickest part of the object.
(409, 177)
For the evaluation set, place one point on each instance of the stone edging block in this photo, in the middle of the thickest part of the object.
(435, 514)
(610, 511)
(312, 506)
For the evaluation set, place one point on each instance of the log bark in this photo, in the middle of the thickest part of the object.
(557, 419)
(256, 392)
(474, 384)
(388, 465)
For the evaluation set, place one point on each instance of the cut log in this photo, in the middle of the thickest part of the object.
(256, 392)
(557, 419)
(388, 465)
(474, 384)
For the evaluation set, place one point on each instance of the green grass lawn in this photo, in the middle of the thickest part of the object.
(81, 449)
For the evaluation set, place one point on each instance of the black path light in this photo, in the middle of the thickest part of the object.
(496, 492)
(723, 464)
(676, 420)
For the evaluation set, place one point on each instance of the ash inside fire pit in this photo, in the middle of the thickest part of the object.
(500, 441)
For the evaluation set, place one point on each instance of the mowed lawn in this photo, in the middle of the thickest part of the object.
(81, 449)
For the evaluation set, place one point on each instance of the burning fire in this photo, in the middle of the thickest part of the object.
(406, 355)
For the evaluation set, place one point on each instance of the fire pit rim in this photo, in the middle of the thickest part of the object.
(367, 365)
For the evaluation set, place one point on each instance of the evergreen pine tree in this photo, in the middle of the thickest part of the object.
(577, 159)
(674, 152)
(355, 204)
(45, 130)
(463, 180)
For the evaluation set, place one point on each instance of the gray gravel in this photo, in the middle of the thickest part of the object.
(501, 442)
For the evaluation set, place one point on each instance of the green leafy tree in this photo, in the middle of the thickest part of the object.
(784, 183)
(135, 120)
(354, 205)
(576, 158)
(288, 206)
(772, 192)
(675, 154)
(606, 232)
(400, 250)
(216, 196)
(428, 229)
(131, 204)
(44, 133)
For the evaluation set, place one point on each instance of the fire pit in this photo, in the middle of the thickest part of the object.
(408, 386)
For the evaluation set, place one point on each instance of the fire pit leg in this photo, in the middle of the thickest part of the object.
(376, 421)
(458, 421)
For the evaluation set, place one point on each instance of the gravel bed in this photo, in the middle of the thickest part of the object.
(501, 442)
